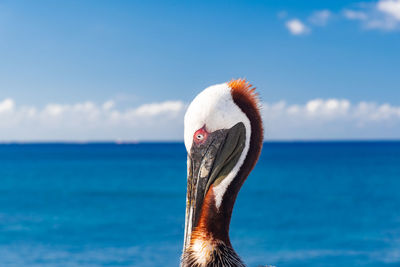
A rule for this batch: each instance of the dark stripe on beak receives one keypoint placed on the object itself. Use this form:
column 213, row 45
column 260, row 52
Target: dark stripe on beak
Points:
column 209, row 163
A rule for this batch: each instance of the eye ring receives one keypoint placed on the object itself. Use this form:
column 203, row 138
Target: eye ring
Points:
column 200, row 136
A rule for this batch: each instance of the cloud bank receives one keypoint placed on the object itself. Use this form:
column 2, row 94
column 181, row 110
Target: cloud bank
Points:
column 331, row 119
column 88, row 121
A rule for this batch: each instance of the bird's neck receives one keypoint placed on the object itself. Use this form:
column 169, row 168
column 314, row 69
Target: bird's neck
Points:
column 214, row 222
column 209, row 240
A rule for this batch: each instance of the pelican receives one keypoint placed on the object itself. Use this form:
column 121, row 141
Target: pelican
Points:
column 223, row 138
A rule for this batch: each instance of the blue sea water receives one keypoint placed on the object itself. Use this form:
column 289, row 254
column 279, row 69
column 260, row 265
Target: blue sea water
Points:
column 305, row 204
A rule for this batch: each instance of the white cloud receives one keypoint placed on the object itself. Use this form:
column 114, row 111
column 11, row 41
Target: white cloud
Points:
column 354, row 15
column 108, row 105
column 376, row 15
column 334, row 109
column 314, row 119
column 320, row 18
column 328, row 107
column 296, row 27
column 382, row 15
column 160, row 108
column 7, row 105
column 390, row 7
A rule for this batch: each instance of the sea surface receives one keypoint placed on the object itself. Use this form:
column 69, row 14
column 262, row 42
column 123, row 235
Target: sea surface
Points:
column 305, row 204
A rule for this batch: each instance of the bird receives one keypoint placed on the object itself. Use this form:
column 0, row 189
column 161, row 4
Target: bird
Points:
column 223, row 136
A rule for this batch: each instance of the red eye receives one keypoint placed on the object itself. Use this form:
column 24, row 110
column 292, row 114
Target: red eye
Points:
column 200, row 136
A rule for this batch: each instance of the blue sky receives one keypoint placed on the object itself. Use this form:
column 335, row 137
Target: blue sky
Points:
column 106, row 70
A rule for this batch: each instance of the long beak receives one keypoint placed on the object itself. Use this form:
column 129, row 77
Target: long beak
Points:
column 209, row 163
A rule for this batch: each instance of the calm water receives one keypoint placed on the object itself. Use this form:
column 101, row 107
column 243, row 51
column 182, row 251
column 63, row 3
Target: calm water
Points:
column 305, row 204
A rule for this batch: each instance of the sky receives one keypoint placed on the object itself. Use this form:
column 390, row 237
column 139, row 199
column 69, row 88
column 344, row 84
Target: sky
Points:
column 127, row 70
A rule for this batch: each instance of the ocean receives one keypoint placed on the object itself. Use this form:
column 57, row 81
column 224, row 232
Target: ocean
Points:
column 305, row 204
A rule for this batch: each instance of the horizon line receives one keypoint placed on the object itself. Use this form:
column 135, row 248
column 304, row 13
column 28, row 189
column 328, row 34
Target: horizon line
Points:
column 133, row 142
